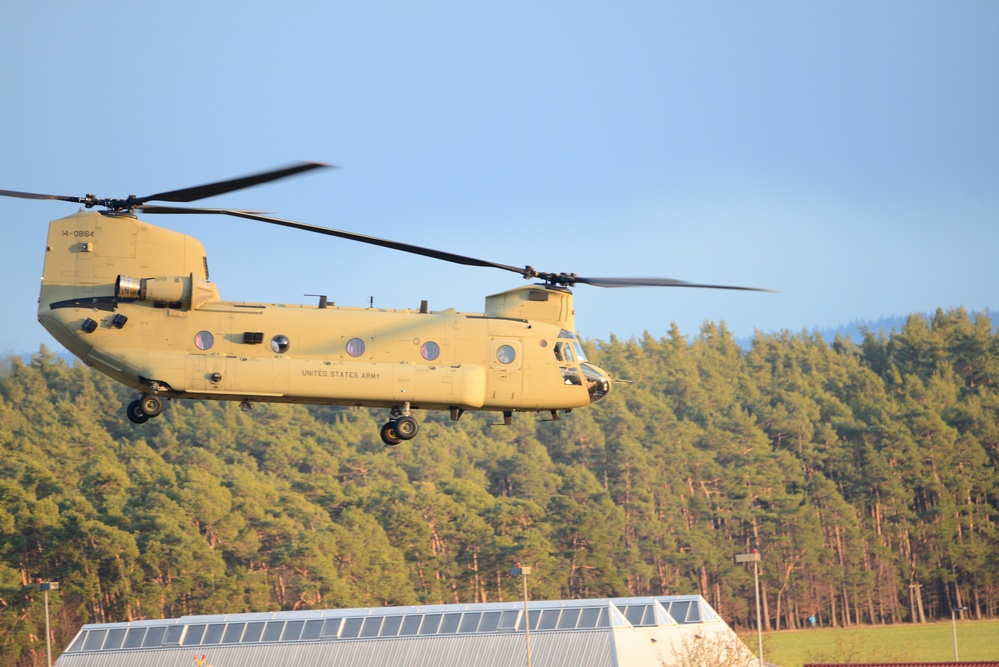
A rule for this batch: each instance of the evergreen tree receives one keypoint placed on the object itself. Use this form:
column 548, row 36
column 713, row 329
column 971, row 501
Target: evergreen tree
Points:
column 865, row 474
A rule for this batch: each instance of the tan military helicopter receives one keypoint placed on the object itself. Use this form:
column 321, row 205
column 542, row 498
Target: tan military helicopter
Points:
column 134, row 301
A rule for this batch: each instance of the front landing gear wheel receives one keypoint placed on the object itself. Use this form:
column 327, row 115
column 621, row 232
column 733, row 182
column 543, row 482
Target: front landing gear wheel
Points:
column 152, row 405
column 135, row 413
column 389, row 435
column 406, row 427
column 144, row 408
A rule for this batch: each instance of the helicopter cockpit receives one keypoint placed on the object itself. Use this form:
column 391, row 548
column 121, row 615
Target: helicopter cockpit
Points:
column 569, row 352
column 568, row 349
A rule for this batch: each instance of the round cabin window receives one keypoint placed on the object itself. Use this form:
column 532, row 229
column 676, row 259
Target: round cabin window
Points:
column 280, row 344
column 505, row 354
column 203, row 340
column 430, row 350
column 355, row 347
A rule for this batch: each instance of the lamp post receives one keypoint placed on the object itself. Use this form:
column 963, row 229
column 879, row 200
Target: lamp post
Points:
column 953, row 624
column 754, row 558
column 523, row 572
column 47, row 586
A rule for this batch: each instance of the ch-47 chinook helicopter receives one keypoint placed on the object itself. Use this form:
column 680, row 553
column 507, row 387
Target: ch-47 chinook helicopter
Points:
column 134, row 301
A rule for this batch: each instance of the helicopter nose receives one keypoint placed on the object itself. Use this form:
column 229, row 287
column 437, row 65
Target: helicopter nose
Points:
column 596, row 382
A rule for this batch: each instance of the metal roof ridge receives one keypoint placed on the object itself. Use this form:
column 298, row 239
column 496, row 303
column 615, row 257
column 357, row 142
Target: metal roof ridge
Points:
column 707, row 613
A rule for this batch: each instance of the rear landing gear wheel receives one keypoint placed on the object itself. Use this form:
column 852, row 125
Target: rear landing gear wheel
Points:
column 389, row 435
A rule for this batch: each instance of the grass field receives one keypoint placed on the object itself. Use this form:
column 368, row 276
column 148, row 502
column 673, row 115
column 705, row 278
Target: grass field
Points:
column 933, row 642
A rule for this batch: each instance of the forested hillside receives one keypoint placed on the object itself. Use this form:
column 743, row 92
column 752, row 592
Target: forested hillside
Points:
column 865, row 474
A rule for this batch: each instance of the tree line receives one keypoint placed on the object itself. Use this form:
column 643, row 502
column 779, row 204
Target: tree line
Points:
column 864, row 473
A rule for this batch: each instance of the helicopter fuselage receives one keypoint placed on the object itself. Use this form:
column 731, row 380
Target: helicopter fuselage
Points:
column 134, row 301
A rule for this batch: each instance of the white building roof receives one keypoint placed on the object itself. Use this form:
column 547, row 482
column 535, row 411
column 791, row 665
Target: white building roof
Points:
column 562, row 632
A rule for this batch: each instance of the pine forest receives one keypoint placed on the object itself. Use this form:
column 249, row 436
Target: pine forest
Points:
column 865, row 473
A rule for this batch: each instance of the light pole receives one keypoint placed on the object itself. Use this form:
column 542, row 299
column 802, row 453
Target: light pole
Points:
column 953, row 624
column 47, row 586
column 754, row 558
column 523, row 572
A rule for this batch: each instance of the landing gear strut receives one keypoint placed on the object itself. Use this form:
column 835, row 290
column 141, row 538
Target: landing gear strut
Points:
column 144, row 408
column 401, row 426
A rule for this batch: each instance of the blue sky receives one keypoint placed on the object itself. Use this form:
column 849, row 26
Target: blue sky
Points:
column 843, row 153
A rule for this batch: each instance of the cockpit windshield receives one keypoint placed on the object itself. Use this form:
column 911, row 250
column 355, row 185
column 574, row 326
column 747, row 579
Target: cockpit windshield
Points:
column 568, row 348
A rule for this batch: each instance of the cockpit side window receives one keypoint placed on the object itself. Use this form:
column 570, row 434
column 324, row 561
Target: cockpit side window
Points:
column 563, row 352
column 569, row 351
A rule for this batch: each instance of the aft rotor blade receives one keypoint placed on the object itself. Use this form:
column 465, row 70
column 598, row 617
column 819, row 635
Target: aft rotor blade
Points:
column 32, row 195
column 212, row 189
column 385, row 243
column 656, row 282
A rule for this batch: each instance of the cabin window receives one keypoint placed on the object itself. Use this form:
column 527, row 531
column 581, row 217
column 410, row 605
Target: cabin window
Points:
column 430, row 350
column 355, row 347
column 570, row 375
column 280, row 344
column 505, row 354
column 203, row 340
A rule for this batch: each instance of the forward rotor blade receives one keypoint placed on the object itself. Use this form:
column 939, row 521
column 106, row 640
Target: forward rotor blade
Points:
column 385, row 243
column 191, row 210
column 212, row 189
column 656, row 282
column 32, row 195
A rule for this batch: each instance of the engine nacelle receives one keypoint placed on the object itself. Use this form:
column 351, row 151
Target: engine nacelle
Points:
column 187, row 292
